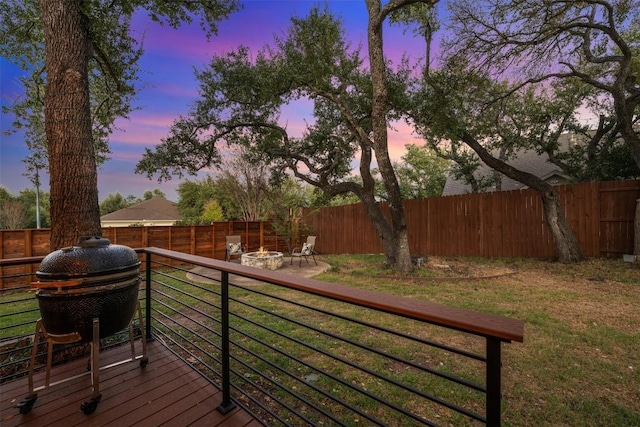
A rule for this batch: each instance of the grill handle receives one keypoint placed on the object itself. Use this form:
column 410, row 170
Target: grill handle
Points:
column 59, row 285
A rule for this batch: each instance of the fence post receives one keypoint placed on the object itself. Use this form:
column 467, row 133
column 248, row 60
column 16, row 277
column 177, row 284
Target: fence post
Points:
column 493, row 372
column 226, row 405
column 636, row 230
column 147, row 295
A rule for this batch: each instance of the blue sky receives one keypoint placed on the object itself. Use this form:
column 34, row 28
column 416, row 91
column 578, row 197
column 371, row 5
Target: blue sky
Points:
column 170, row 88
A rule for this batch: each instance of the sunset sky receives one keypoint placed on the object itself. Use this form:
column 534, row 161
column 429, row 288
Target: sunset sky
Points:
column 167, row 71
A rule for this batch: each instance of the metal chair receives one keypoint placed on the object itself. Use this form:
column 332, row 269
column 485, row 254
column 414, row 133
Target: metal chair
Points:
column 306, row 251
column 234, row 247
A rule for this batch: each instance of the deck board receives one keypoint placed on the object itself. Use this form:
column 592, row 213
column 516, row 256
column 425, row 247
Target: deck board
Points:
column 166, row 392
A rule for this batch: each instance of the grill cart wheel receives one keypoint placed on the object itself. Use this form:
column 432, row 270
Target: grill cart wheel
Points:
column 27, row 403
column 90, row 406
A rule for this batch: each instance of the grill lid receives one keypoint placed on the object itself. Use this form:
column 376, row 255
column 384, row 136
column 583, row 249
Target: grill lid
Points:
column 93, row 256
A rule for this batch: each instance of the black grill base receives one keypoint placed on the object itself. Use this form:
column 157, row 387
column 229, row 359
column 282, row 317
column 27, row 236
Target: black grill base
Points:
column 68, row 312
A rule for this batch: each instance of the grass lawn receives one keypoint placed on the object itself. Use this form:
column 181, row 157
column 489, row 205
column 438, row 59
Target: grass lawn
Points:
column 579, row 364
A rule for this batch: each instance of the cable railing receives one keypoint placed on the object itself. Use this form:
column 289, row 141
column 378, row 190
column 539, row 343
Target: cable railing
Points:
column 294, row 351
column 18, row 315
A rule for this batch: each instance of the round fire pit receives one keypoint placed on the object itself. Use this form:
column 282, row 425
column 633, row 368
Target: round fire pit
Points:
column 268, row 260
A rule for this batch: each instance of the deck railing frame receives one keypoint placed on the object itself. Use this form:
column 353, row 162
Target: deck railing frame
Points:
column 496, row 330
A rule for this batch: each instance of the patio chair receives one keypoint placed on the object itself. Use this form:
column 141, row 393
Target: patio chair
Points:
column 306, row 251
column 234, row 247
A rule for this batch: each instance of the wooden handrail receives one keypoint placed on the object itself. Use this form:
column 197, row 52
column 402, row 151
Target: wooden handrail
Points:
column 21, row 261
column 483, row 324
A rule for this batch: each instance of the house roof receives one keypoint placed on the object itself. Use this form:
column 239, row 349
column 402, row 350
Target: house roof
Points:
column 154, row 209
column 525, row 160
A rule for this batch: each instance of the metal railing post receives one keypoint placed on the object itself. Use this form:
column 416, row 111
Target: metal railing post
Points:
column 148, row 297
column 493, row 372
column 227, row 404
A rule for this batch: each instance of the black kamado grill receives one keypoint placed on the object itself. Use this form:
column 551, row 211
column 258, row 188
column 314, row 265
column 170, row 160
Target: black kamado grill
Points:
column 92, row 280
column 85, row 293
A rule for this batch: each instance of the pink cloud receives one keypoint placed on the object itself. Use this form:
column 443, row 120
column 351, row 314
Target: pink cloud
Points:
column 139, row 133
column 179, row 90
column 128, row 156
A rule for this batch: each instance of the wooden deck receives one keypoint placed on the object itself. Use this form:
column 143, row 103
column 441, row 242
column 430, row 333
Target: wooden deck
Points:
column 167, row 392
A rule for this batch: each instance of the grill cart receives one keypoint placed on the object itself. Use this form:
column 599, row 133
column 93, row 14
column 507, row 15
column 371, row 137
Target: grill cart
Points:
column 86, row 293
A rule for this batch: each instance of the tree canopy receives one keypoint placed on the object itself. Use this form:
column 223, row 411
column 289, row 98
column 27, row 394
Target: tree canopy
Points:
column 20, row 211
column 241, row 101
column 421, row 173
column 595, row 42
column 516, row 75
column 82, row 64
column 112, row 66
column 240, row 200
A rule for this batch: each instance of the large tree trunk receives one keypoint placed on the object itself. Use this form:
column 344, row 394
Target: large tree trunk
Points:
column 399, row 242
column 72, row 167
column 631, row 138
column 383, row 228
column 400, row 238
column 567, row 244
column 625, row 108
column 389, row 237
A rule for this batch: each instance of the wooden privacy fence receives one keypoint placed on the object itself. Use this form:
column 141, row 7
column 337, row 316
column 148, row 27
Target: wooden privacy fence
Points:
column 497, row 224
column 204, row 240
